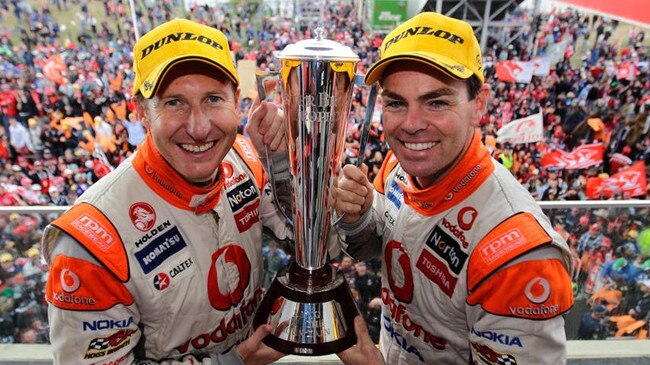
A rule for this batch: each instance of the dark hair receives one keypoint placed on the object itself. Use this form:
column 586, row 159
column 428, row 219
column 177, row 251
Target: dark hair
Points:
column 473, row 86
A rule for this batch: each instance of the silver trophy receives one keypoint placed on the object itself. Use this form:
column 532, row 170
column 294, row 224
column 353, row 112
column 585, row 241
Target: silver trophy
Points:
column 308, row 304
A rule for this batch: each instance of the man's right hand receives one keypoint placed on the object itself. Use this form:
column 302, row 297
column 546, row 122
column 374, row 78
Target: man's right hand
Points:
column 352, row 193
column 364, row 352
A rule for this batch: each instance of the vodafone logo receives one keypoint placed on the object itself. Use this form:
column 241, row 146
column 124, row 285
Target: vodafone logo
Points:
column 226, row 169
column 399, row 272
column 70, row 282
column 142, row 216
column 538, row 290
column 228, row 277
column 466, row 217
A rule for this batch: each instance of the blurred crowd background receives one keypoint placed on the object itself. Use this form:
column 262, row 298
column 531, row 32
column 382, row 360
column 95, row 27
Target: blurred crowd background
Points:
column 67, row 120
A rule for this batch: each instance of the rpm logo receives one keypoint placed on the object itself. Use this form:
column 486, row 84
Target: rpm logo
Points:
column 466, row 218
column 228, row 277
column 142, row 216
column 399, row 272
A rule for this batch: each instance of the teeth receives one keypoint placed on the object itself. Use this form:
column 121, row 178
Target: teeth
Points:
column 194, row 148
column 419, row 146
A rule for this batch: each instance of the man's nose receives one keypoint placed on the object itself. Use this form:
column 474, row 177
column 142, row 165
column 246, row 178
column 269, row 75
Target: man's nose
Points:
column 198, row 125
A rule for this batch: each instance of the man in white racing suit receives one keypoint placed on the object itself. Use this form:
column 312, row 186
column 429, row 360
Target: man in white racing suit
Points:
column 160, row 261
column 472, row 272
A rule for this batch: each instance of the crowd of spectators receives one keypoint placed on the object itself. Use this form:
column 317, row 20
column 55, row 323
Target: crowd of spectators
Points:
column 67, row 120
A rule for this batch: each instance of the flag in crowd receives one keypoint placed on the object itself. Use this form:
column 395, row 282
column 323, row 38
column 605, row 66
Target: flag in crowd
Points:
column 628, row 182
column 580, row 158
column 523, row 130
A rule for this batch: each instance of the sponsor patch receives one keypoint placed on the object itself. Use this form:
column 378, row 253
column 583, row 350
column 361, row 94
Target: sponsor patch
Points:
column 437, row 272
column 395, row 194
column 448, row 249
column 94, row 230
column 490, row 357
column 153, row 233
column 497, row 337
column 537, row 289
column 503, row 244
column 102, row 346
column 161, row 281
column 142, row 216
column 248, row 216
column 107, row 324
column 160, row 249
column 80, row 285
column 243, row 194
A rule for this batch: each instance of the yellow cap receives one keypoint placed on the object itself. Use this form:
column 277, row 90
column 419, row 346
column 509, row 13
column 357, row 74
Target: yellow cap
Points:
column 32, row 252
column 176, row 41
column 445, row 43
column 6, row 257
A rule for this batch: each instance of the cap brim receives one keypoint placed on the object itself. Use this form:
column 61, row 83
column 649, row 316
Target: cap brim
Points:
column 444, row 64
column 150, row 84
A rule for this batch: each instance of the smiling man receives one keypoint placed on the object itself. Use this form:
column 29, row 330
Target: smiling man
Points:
column 160, row 261
column 472, row 270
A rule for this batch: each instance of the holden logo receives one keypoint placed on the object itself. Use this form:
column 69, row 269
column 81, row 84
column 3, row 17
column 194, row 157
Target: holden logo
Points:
column 538, row 290
column 142, row 216
column 69, row 281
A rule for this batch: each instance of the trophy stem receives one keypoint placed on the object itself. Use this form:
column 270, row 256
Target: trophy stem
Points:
column 312, row 312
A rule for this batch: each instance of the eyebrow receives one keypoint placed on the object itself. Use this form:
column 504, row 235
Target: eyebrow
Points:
column 445, row 91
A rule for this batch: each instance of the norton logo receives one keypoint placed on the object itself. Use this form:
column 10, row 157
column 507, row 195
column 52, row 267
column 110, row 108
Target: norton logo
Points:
column 400, row 275
column 228, row 277
column 142, row 216
column 177, row 37
column 161, row 281
column 466, row 217
column 538, row 290
column 70, row 282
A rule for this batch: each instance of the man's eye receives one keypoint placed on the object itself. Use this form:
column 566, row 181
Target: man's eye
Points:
column 392, row 104
column 214, row 99
column 438, row 104
column 172, row 102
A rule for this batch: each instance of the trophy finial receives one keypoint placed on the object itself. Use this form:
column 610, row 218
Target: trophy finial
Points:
column 319, row 33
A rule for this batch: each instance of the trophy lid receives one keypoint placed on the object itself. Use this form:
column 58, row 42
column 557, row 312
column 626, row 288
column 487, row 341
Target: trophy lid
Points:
column 317, row 49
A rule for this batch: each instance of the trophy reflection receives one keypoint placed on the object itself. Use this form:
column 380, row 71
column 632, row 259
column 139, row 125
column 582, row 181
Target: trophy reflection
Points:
column 308, row 304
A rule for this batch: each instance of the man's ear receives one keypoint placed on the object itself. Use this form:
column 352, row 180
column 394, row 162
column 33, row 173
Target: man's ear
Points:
column 481, row 101
column 140, row 112
column 237, row 109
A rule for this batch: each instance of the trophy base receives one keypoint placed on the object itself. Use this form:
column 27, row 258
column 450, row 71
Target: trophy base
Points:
column 312, row 312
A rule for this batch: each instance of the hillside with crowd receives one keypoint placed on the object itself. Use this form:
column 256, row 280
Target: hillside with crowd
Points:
column 67, row 120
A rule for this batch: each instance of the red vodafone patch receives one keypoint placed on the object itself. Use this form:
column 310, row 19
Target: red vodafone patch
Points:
column 83, row 286
column 538, row 289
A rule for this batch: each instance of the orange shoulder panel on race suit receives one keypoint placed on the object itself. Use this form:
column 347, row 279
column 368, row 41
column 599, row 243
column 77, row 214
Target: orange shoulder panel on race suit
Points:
column 510, row 239
column 96, row 233
column 244, row 149
column 389, row 164
column 537, row 289
column 80, row 285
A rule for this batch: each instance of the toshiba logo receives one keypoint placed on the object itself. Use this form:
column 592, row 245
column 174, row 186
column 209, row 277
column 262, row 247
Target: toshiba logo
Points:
column 94, row 230
column 503, row 244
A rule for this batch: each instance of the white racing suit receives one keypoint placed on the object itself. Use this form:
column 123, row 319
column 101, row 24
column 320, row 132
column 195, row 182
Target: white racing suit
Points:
column 472, row 271
column 148, row 268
